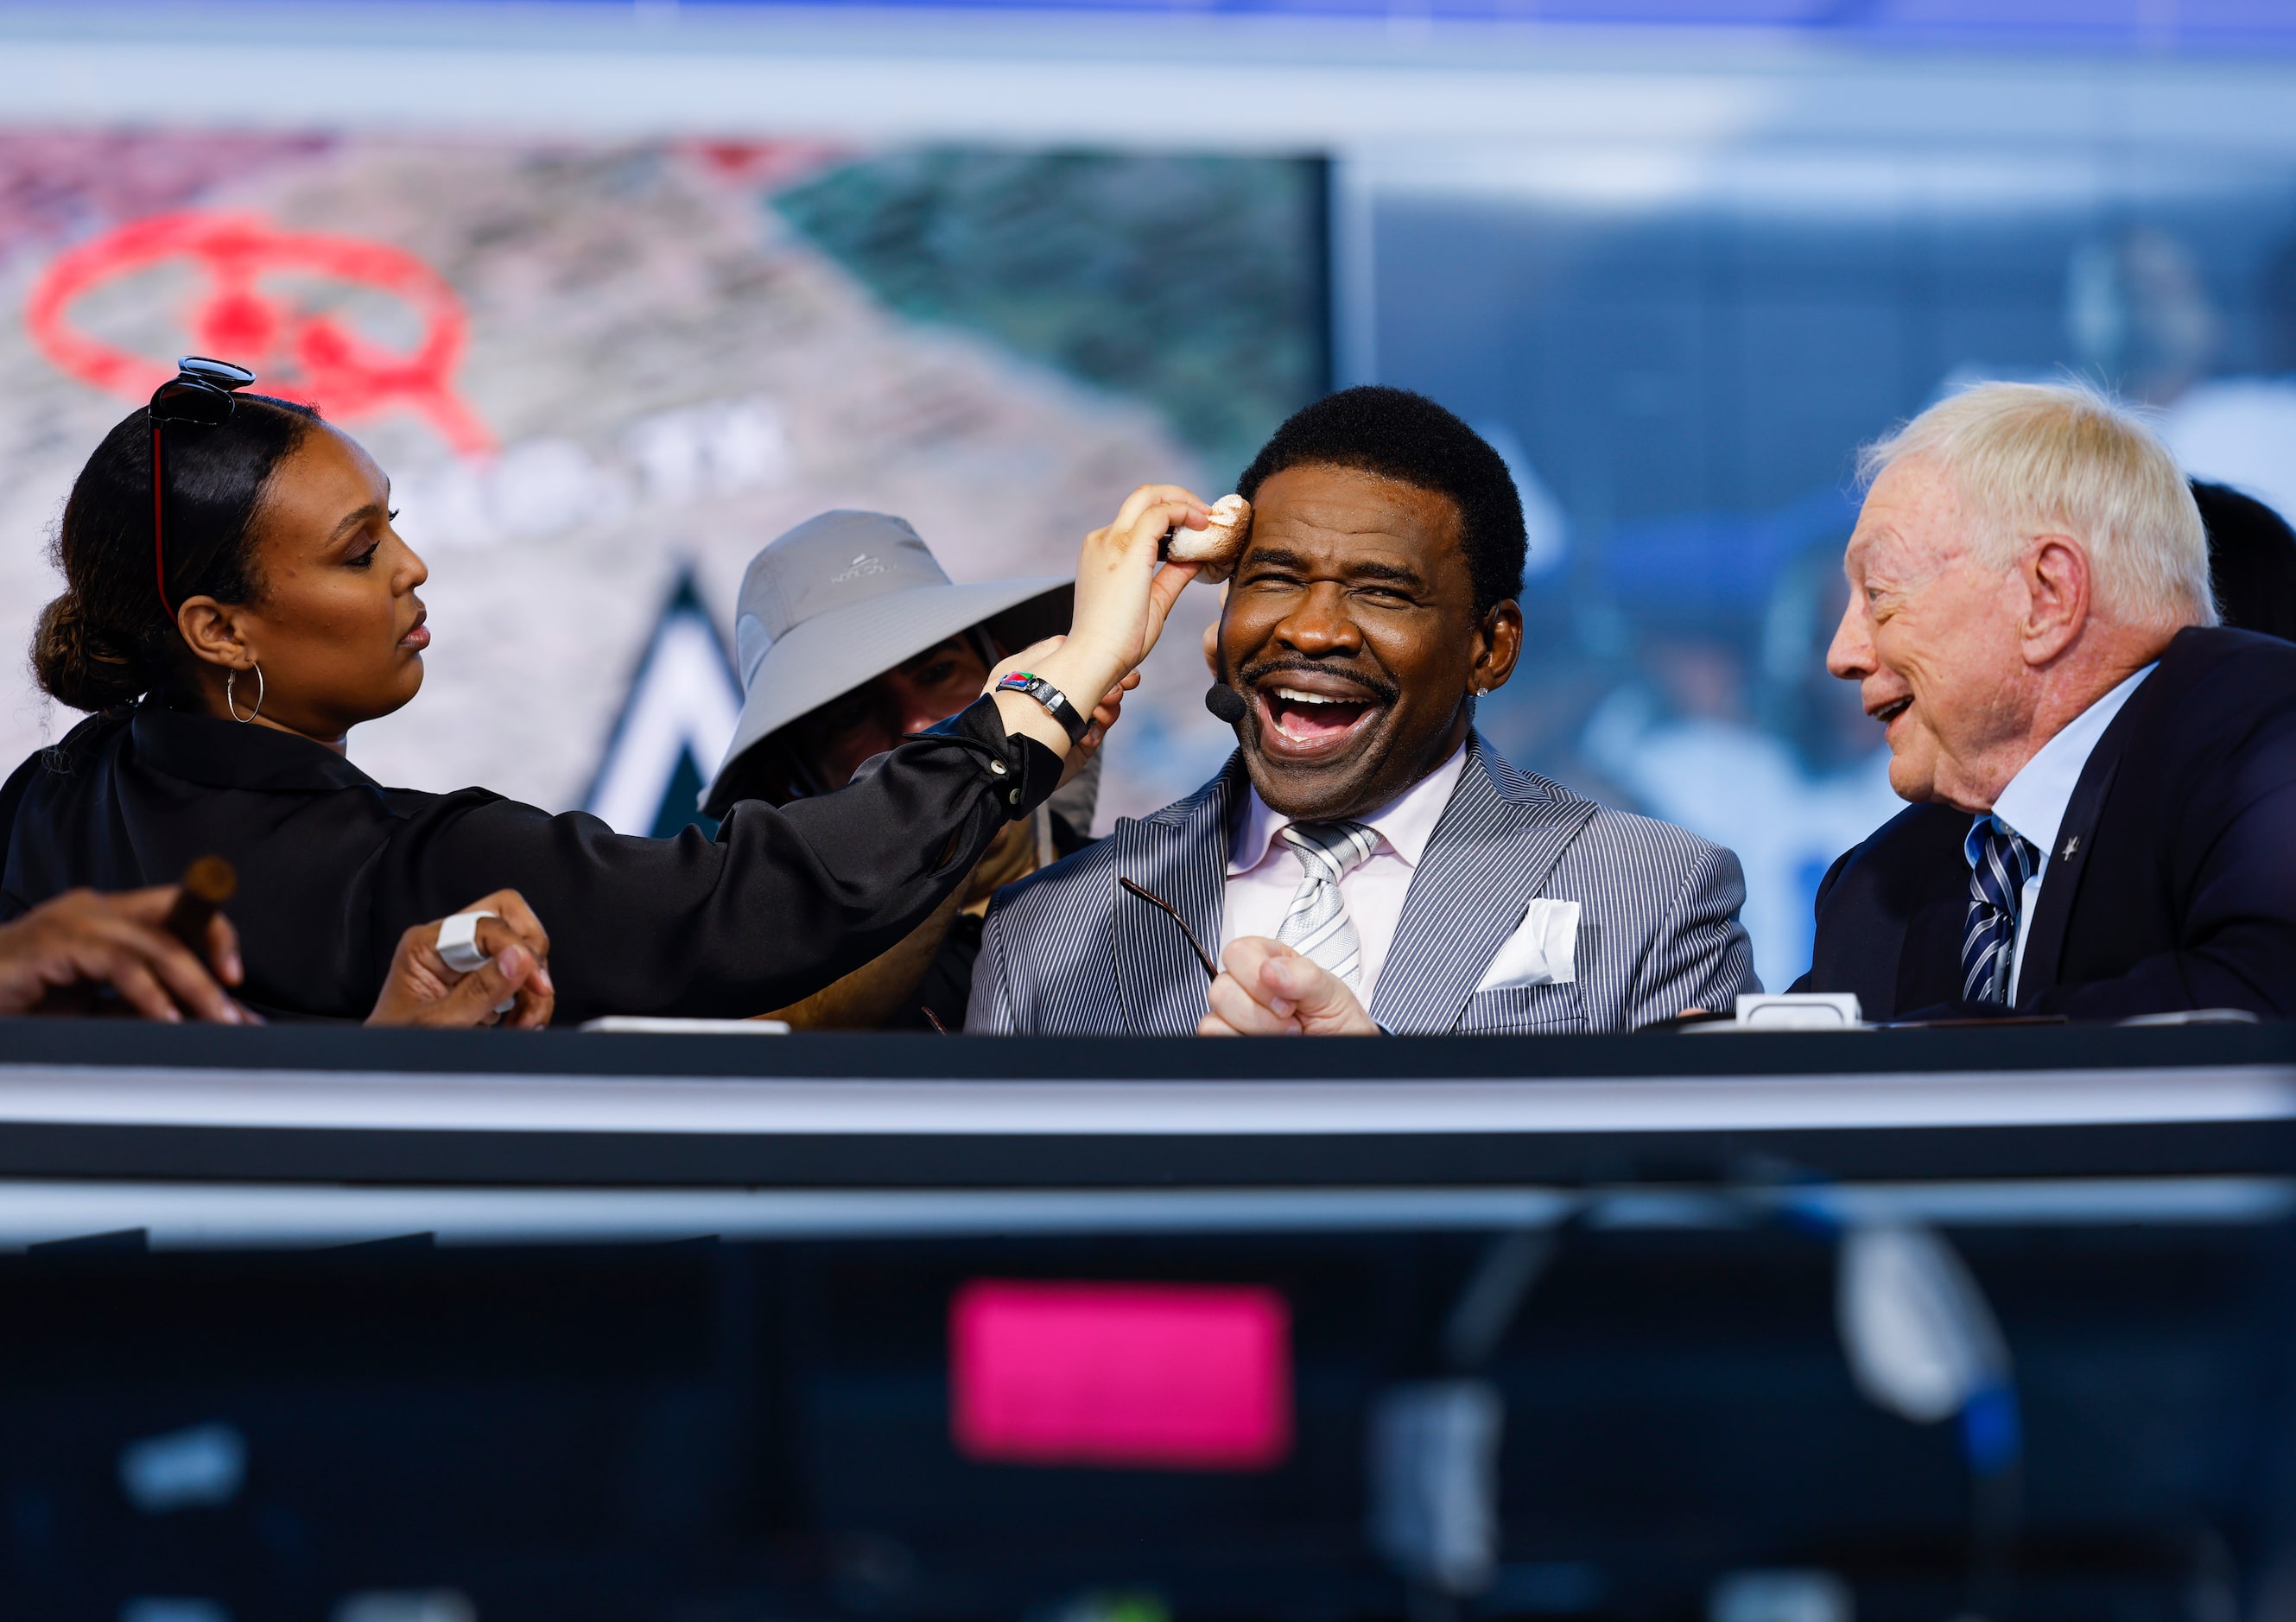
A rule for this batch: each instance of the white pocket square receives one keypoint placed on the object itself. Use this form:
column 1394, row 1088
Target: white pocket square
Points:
column 1542, row 951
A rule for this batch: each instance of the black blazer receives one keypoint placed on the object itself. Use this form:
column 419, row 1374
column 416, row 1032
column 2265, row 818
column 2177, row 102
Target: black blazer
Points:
column 332, row 866
column 2173, row 885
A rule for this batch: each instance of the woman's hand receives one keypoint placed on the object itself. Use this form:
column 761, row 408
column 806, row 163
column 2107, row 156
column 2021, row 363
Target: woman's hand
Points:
column 1123, row 593
column 421, row 989
column 52, row 958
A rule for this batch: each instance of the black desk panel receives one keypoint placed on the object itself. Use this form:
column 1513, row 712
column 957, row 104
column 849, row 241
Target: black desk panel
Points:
column 574, row 1327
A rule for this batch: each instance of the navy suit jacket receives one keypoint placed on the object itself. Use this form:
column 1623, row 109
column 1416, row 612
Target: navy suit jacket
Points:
column 2173, row 885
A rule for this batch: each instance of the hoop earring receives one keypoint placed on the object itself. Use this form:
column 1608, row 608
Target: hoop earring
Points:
column 229, row 677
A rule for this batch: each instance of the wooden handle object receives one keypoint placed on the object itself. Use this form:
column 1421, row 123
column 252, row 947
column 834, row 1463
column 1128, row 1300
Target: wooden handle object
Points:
column 208, row 883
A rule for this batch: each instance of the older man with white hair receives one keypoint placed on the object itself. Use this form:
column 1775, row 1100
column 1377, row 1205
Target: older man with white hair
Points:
column 2104, row 781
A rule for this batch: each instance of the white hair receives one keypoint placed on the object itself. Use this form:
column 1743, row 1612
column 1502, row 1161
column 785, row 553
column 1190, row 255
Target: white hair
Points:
column 2032, row 458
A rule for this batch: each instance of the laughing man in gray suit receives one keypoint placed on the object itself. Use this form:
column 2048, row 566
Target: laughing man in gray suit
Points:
column 1367, row 860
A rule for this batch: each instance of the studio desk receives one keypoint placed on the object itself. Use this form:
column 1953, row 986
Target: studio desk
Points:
column 307, row 1136
column 574, row 1325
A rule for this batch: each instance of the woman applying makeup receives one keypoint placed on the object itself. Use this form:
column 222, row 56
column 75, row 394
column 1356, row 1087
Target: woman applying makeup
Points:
column 234, row 612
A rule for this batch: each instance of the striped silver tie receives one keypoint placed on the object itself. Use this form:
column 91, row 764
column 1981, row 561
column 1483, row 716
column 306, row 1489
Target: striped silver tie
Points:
column 1317, row 926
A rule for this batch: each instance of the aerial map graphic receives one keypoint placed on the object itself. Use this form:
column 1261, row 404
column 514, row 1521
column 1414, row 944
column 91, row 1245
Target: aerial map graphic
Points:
column 602, row 376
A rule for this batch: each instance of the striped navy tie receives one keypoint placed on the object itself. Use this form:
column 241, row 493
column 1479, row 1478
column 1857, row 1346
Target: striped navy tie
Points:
column 1317, row 926
column 2000, row 862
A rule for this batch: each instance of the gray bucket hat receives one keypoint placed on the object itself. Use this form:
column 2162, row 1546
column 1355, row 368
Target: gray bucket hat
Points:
column 837, row 602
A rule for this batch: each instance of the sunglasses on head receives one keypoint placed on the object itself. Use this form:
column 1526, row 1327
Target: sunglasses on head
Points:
column 200, row 393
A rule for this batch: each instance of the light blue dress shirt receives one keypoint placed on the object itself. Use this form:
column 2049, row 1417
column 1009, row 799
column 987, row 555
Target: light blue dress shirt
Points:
column 2033, row 806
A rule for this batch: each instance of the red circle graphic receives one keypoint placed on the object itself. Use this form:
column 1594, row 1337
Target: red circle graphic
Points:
column 236, row 318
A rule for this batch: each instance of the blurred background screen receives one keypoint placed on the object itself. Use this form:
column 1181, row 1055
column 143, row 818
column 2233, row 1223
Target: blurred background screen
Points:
column 616, row 294
column 1680, row 353
column 603, row 374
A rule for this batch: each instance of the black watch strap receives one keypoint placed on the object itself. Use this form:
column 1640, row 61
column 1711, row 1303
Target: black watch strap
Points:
column 1072, row 721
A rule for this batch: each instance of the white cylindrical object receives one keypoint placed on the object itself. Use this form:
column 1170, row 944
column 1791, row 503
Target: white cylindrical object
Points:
column 458, row 943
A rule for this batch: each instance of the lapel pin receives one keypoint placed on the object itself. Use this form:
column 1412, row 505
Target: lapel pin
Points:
column 2072, row 844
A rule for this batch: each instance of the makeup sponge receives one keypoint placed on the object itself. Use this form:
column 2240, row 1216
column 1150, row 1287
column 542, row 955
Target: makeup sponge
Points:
column 1218, row 545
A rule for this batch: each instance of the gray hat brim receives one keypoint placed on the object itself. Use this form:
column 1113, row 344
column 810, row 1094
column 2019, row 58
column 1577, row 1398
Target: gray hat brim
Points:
column 834, row 652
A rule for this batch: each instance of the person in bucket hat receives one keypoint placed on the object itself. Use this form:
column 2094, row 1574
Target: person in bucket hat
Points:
column 850, row 636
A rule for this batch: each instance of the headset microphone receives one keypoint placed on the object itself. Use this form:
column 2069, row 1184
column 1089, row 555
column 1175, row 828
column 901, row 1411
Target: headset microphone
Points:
column 1226, row 702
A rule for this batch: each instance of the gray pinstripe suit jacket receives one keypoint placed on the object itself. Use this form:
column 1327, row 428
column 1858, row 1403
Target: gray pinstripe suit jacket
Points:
column 1068, row 951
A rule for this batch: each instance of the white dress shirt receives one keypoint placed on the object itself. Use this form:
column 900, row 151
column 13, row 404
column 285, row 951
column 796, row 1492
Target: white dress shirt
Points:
column 1263, row 875
column 2033, row 805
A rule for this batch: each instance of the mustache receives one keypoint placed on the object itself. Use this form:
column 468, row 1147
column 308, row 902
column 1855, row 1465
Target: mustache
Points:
column 1379, row 686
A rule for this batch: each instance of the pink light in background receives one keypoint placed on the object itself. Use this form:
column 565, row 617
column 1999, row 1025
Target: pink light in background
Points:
column 1168, row 1376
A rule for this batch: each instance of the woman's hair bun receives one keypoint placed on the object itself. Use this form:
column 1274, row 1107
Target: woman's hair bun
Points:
column 111, row 638
column 76, row 664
